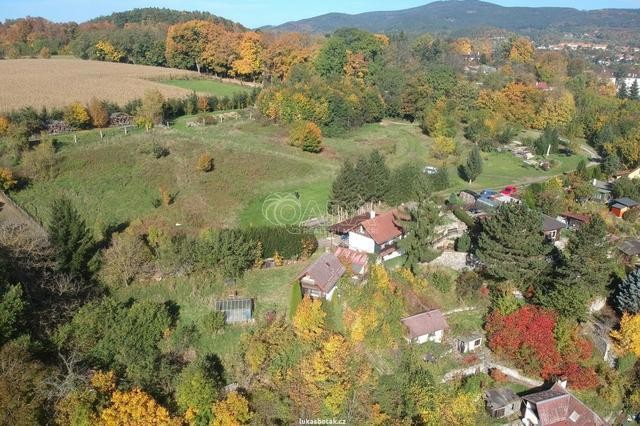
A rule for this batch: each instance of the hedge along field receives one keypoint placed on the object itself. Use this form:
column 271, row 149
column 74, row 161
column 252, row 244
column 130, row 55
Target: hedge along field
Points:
column 209, row 87
column 57, row 82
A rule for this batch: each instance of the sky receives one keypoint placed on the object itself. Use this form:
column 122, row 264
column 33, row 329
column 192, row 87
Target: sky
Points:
column 252, row 13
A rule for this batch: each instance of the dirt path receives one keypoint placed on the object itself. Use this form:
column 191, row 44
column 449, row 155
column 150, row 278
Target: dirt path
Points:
column 12, row 214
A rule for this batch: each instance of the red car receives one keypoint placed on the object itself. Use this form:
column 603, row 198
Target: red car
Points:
column 509, row 190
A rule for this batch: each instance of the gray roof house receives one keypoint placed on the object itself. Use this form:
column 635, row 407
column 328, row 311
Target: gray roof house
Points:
column 319, row 279
column 502, row 402
column 551, row 227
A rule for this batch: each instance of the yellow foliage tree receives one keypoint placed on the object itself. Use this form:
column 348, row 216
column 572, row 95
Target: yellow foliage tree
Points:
column 76, row 115
column 205, row 163
column 250, row 51
column 231, row 411
column 105, row 51
column 308, row 321
column 135, row 408
column 7, row 179
column 521, row 50
column 356, row 65
column 4, row 125
column 443, row 147
column 628, row 336
column 306, row 135
column 151, row 111
column 103, row 381
column 462, row 46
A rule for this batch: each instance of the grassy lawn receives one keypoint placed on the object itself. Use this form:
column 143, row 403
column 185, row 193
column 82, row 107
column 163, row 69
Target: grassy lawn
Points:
column 209, row 87
column 256, row 177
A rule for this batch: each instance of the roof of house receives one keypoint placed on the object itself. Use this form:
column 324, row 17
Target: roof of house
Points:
column 556, row 406
column 383, row 227
column 579, row 217
column 347, row 225
column 551, row 224
column 425, row 323
column 626, row 202
column 325, row 272
column 500, row 397
column 602, row 186
column 630, row 247
column 352, row 256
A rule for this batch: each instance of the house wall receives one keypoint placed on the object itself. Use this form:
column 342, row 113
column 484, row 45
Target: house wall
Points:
column 436, row 337
column 329, row 295
column 618, row 212
column 359, row 242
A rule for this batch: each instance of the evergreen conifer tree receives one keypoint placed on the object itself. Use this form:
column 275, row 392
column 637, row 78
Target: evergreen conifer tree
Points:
column 622, row 90
column 627, row 297
column 345, row 189
column 419, row 233
column 473, row 168
column 379, row 176
column 634, row 92
column 70, row 238
column 512, row 246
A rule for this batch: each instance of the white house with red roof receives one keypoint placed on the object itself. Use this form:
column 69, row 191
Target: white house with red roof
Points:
column 377, row 235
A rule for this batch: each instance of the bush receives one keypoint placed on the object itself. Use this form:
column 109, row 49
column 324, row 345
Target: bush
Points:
column 212, row 322
column 205, row 163
column 290, row 242
column 463, row 216
column 158, row 151
column 7, row 179
column 99, row 113
column 468, row 284
column 306, row 135
column 441, row 280
column 76, row 115
column 463, row 243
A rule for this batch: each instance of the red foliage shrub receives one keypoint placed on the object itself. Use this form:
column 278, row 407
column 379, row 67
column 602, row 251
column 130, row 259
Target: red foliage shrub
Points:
column 470, row 359
column 526, row 337
column 498, row 375
column 580, row 377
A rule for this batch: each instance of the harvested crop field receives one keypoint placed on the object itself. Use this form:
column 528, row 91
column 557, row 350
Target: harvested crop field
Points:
column 57, row 82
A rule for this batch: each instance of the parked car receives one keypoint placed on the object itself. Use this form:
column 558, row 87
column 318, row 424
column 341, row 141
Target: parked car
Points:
column 430, row 170
column 509, row 190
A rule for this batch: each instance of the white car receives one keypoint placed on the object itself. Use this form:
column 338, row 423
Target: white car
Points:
column 430, row 170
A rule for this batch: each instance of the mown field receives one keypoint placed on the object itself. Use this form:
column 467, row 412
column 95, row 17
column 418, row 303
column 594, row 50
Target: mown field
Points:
column 209, row 87
column 256, row 174
column 56, row 82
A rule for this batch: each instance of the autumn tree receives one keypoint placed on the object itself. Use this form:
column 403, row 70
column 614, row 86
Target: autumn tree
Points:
column 205, row 163
column 40, row 162
column 151, row 112
column 77, row 116
column 520, row 50
column 309, row 319
column 250, row 49
column 512, row 246
column 135, row 408
column 551, row 66
column 234, row 410
column 284, row 51
column 627, row 337
column 7, row 179
column 307, row 136
column 105, row 51
column 98, row 112
column 185, row 44
column 127, row 258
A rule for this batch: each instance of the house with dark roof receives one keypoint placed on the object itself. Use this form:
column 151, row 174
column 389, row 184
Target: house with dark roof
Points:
column 602, row 190
column 425, row 327
column 557, row 406
column 343, row 228
column 574, row 220
column 630, row 248
column 620, row 206
column 319, row 279
column 551, row 227
column 378, row 235
column 356, row 260
column 502, row 402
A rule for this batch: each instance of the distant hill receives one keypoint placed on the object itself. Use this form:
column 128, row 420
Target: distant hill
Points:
column 470, row 15
column 154, row 15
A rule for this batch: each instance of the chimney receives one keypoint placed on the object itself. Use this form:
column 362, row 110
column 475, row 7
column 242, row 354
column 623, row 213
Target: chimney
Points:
column 562, row 381
column 372, row 214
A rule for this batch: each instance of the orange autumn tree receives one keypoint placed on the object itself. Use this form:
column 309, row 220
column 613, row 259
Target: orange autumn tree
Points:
column 250, row 52
column 283, row 51
column 628, row 336
column 520, row 50
column 135, row 408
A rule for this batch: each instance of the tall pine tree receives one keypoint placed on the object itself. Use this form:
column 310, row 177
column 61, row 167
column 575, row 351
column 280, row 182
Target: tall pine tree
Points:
column 627, row 297
column 71, row 240
column 379, row 176
column 345, row 190
column 586, row 262
column 622, row 90
column 473, row 168
column 634, row 92
column 512, row 246
column 419, row 234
